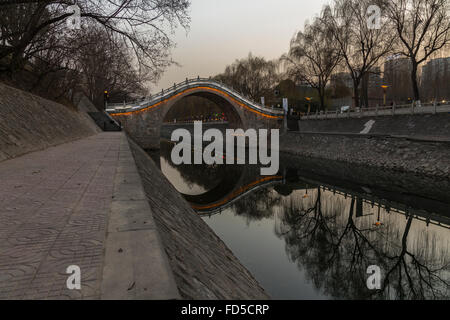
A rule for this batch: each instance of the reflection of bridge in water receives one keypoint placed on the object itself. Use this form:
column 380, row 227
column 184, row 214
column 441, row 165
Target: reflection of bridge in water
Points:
column 232, row 182
column 241, row 181
column 235, row 195
column 427, row 210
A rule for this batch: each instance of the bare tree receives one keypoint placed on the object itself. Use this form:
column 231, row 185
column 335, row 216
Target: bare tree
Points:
column 49, row 69
column 144, row 25
column 108, row 66
column 362, row 46
column 423, row 28
column 313, row 55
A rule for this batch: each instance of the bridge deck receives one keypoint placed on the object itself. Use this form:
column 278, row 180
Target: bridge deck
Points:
column 79, row 203
column 190, row 85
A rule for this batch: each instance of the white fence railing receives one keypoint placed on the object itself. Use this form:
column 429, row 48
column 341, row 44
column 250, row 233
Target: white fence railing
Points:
column 413, row 108
column 187, row 84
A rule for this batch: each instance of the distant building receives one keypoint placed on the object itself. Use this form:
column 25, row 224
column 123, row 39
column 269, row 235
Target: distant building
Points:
column 436, row 79
column 341, row 78
column 372, row 81
column 397, row 75
column 295, row 92
column 341, row 85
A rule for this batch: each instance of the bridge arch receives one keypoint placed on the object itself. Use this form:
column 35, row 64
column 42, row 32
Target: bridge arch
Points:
column 236, row 117
column 143, row 120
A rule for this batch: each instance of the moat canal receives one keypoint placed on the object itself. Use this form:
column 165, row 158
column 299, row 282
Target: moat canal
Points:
column 312, row 230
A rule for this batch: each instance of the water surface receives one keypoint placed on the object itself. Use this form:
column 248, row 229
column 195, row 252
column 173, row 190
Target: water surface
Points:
column 312, row 230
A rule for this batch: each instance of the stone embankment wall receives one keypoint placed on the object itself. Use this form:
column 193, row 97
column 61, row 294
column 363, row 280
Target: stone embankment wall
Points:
column 30, row 123
column 203, row 266
column 419, row 125
column 401, row 154
column 419, row 191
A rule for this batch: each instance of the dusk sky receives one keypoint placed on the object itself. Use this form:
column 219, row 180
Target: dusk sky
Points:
column 224, row 30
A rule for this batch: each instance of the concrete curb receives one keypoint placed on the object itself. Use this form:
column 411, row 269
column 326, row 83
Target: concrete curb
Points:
column 136, row 266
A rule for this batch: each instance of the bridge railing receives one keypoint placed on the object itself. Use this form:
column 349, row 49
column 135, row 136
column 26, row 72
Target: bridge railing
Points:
column 413, row 108
column 179, row 87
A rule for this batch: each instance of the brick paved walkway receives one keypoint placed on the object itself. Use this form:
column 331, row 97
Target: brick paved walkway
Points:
column 54, row 207
column 53, row 213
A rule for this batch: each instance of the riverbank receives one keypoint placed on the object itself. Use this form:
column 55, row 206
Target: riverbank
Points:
column 403, row 154
column 71, row 195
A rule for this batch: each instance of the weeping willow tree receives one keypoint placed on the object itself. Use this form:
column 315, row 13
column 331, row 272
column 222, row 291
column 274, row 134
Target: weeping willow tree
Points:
column 253, row 76
column 361, row 44
column 313, row 55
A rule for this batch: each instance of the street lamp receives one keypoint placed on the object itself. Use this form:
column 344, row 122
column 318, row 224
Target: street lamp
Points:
column 309, row 103
column 384, row 93
column 105, row 98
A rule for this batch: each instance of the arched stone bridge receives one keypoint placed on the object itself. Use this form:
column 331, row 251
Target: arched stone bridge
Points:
column 142, row 121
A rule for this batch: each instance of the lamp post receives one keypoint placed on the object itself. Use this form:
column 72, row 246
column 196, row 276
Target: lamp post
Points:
column 309, row 103
column 105, row 98
column 384, row 93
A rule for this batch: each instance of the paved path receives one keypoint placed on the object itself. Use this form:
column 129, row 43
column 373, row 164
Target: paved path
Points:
column 54, row 211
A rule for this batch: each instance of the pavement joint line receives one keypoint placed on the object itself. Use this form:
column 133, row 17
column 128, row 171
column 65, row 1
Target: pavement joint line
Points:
column 141, row 258
column 108, row 218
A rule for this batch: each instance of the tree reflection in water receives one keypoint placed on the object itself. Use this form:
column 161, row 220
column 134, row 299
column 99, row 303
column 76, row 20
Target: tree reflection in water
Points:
column 257, row 206
column 324, row 237
column 333, row 238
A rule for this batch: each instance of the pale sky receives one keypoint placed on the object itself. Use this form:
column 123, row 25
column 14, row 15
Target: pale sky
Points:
column 224, row 30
